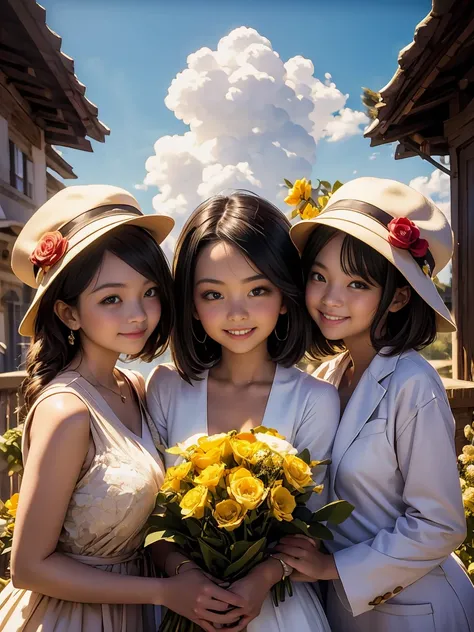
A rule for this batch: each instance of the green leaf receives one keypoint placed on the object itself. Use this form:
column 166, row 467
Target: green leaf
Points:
column 318, row 530
column 288, row 183
column 303, row 513
column 294, row 213
column 216, row 562
column 302, row 499
column 245, row 560
column 238, row 549
column 326, row 185
column 194, row 527
column 167, row 536
column 335, row 512
column 337, row 185
column 301, row 526
column 305, row 456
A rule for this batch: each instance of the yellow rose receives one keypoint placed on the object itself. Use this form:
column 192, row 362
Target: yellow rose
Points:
column 245, row 436
column 12, row 505
column 212, row 442
column 269, row 431
column 467, row 455
column 179, row 471
column 247, row 490
column 201, row 459
column 242, row 449
column 297, row 472
column 237, row 472
column 229, row 514
column 171, row 485
column 10, row 528
column 211, row 475
column 194, row 502
column 282, row 503
column 468, row 499
column 318, row 489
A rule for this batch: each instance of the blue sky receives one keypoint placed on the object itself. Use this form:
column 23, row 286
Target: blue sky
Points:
column 127, row 53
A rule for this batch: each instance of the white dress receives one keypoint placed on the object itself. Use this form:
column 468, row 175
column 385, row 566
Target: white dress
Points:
column 305, row 411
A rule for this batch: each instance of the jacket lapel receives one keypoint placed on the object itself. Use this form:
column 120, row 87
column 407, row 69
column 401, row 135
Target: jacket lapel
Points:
column 363, row 402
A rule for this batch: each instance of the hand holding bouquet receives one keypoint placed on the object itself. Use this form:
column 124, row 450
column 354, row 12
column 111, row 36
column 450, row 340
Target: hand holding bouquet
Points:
column 232, row 496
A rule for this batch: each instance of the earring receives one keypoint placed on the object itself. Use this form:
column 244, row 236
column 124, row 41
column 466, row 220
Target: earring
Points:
column 287, row 331
column 196, row 338
column 71, row 338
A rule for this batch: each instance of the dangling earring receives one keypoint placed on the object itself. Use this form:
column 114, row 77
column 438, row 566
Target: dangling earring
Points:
column 287, row 331
column 196, row 338
column 71, row 338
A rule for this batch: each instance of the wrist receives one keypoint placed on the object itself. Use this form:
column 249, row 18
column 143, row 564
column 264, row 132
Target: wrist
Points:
column 269, row 571
column 158, row 594
column 330, row 569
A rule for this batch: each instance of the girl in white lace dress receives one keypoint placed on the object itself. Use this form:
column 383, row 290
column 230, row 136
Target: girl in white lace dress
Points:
column 92, row 470
column 241, row 327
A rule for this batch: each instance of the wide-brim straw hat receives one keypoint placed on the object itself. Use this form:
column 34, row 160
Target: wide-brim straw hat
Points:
column 364, row 207
column 73, row 220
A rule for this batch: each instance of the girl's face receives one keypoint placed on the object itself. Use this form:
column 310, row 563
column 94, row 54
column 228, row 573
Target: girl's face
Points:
column 238, row 307
column 119, row 309
column 342, row 306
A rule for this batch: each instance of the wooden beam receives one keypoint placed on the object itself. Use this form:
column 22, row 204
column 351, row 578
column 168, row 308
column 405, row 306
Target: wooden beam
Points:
column 54, row 138
column 38, row 91
column 15, row 58
column 413, row 146
column 423, row 107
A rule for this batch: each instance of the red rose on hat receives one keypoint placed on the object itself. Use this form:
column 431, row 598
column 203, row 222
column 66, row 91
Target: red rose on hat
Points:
column 403, row 233
column 50, row 249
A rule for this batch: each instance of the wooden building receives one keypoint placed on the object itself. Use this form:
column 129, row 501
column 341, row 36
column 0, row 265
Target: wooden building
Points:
column 428, row 107
column 42, row 106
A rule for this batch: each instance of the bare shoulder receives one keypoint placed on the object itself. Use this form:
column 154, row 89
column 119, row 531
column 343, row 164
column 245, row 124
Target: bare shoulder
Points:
column 61, row 414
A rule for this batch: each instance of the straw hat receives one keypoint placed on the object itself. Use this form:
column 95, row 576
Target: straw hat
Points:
column 65, row 225
column 399, row 223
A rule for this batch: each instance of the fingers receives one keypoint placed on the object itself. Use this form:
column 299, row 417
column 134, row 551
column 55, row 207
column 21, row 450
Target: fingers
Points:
column 300, row 540
column 227, row 596
column 207, row 613
column 293, row 551
column 294, row 562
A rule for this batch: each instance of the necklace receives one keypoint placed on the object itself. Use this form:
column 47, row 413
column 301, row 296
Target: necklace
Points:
column 119, row 394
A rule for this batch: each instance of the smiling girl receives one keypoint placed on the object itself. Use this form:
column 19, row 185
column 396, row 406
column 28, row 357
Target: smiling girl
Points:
column 369, row 260
column 241, row 326
column 91, row 467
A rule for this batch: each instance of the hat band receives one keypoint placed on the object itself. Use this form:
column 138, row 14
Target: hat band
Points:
column 376, row 213
column 75, row 225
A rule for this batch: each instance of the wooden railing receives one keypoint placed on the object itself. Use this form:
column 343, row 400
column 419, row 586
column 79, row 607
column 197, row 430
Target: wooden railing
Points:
column 10, row 404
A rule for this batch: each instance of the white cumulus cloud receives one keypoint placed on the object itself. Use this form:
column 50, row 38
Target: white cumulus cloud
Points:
column 437, row 187
column 252, row 120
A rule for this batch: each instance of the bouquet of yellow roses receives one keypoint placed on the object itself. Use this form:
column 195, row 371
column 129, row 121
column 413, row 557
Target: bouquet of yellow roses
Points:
column 232, row 496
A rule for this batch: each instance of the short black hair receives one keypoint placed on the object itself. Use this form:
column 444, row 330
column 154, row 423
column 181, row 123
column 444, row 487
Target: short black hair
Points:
column 412, row 327
column 261, row 232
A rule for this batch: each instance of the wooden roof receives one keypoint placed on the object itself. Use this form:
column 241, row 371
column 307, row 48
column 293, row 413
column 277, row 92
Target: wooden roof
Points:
column 32, row 61
column 435, row 69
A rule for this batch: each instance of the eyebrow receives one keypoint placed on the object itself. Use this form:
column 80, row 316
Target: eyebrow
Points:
column 106, row 286
column 320, row 265
column 256, row 277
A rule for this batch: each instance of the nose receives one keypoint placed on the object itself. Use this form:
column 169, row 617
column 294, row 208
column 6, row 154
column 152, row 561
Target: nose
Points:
column 332, row 297
column 238, row 311
column 137, row 313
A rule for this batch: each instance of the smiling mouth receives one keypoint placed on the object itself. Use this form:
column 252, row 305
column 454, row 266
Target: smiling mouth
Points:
column 240, row 333
column 135, row 334
column 333, row 319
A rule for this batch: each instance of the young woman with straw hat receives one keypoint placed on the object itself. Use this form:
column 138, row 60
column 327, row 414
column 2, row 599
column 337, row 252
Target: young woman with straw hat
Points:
column 92, row 469
column 369, row 260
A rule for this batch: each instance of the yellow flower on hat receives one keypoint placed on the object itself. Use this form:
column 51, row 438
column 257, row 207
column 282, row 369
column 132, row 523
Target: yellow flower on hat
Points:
column 229, row 514
column 301, row 190
column 194, row 502
column 282, row 502
column 309, row 211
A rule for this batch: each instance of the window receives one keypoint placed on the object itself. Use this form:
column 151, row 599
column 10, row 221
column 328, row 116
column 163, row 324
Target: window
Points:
column 14, row 353
column 21, row 171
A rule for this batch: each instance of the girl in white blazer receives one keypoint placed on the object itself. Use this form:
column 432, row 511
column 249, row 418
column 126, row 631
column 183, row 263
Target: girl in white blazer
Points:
column 368, row 259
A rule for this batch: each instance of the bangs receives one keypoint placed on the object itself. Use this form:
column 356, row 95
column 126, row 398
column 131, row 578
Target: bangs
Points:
column 359, row 259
